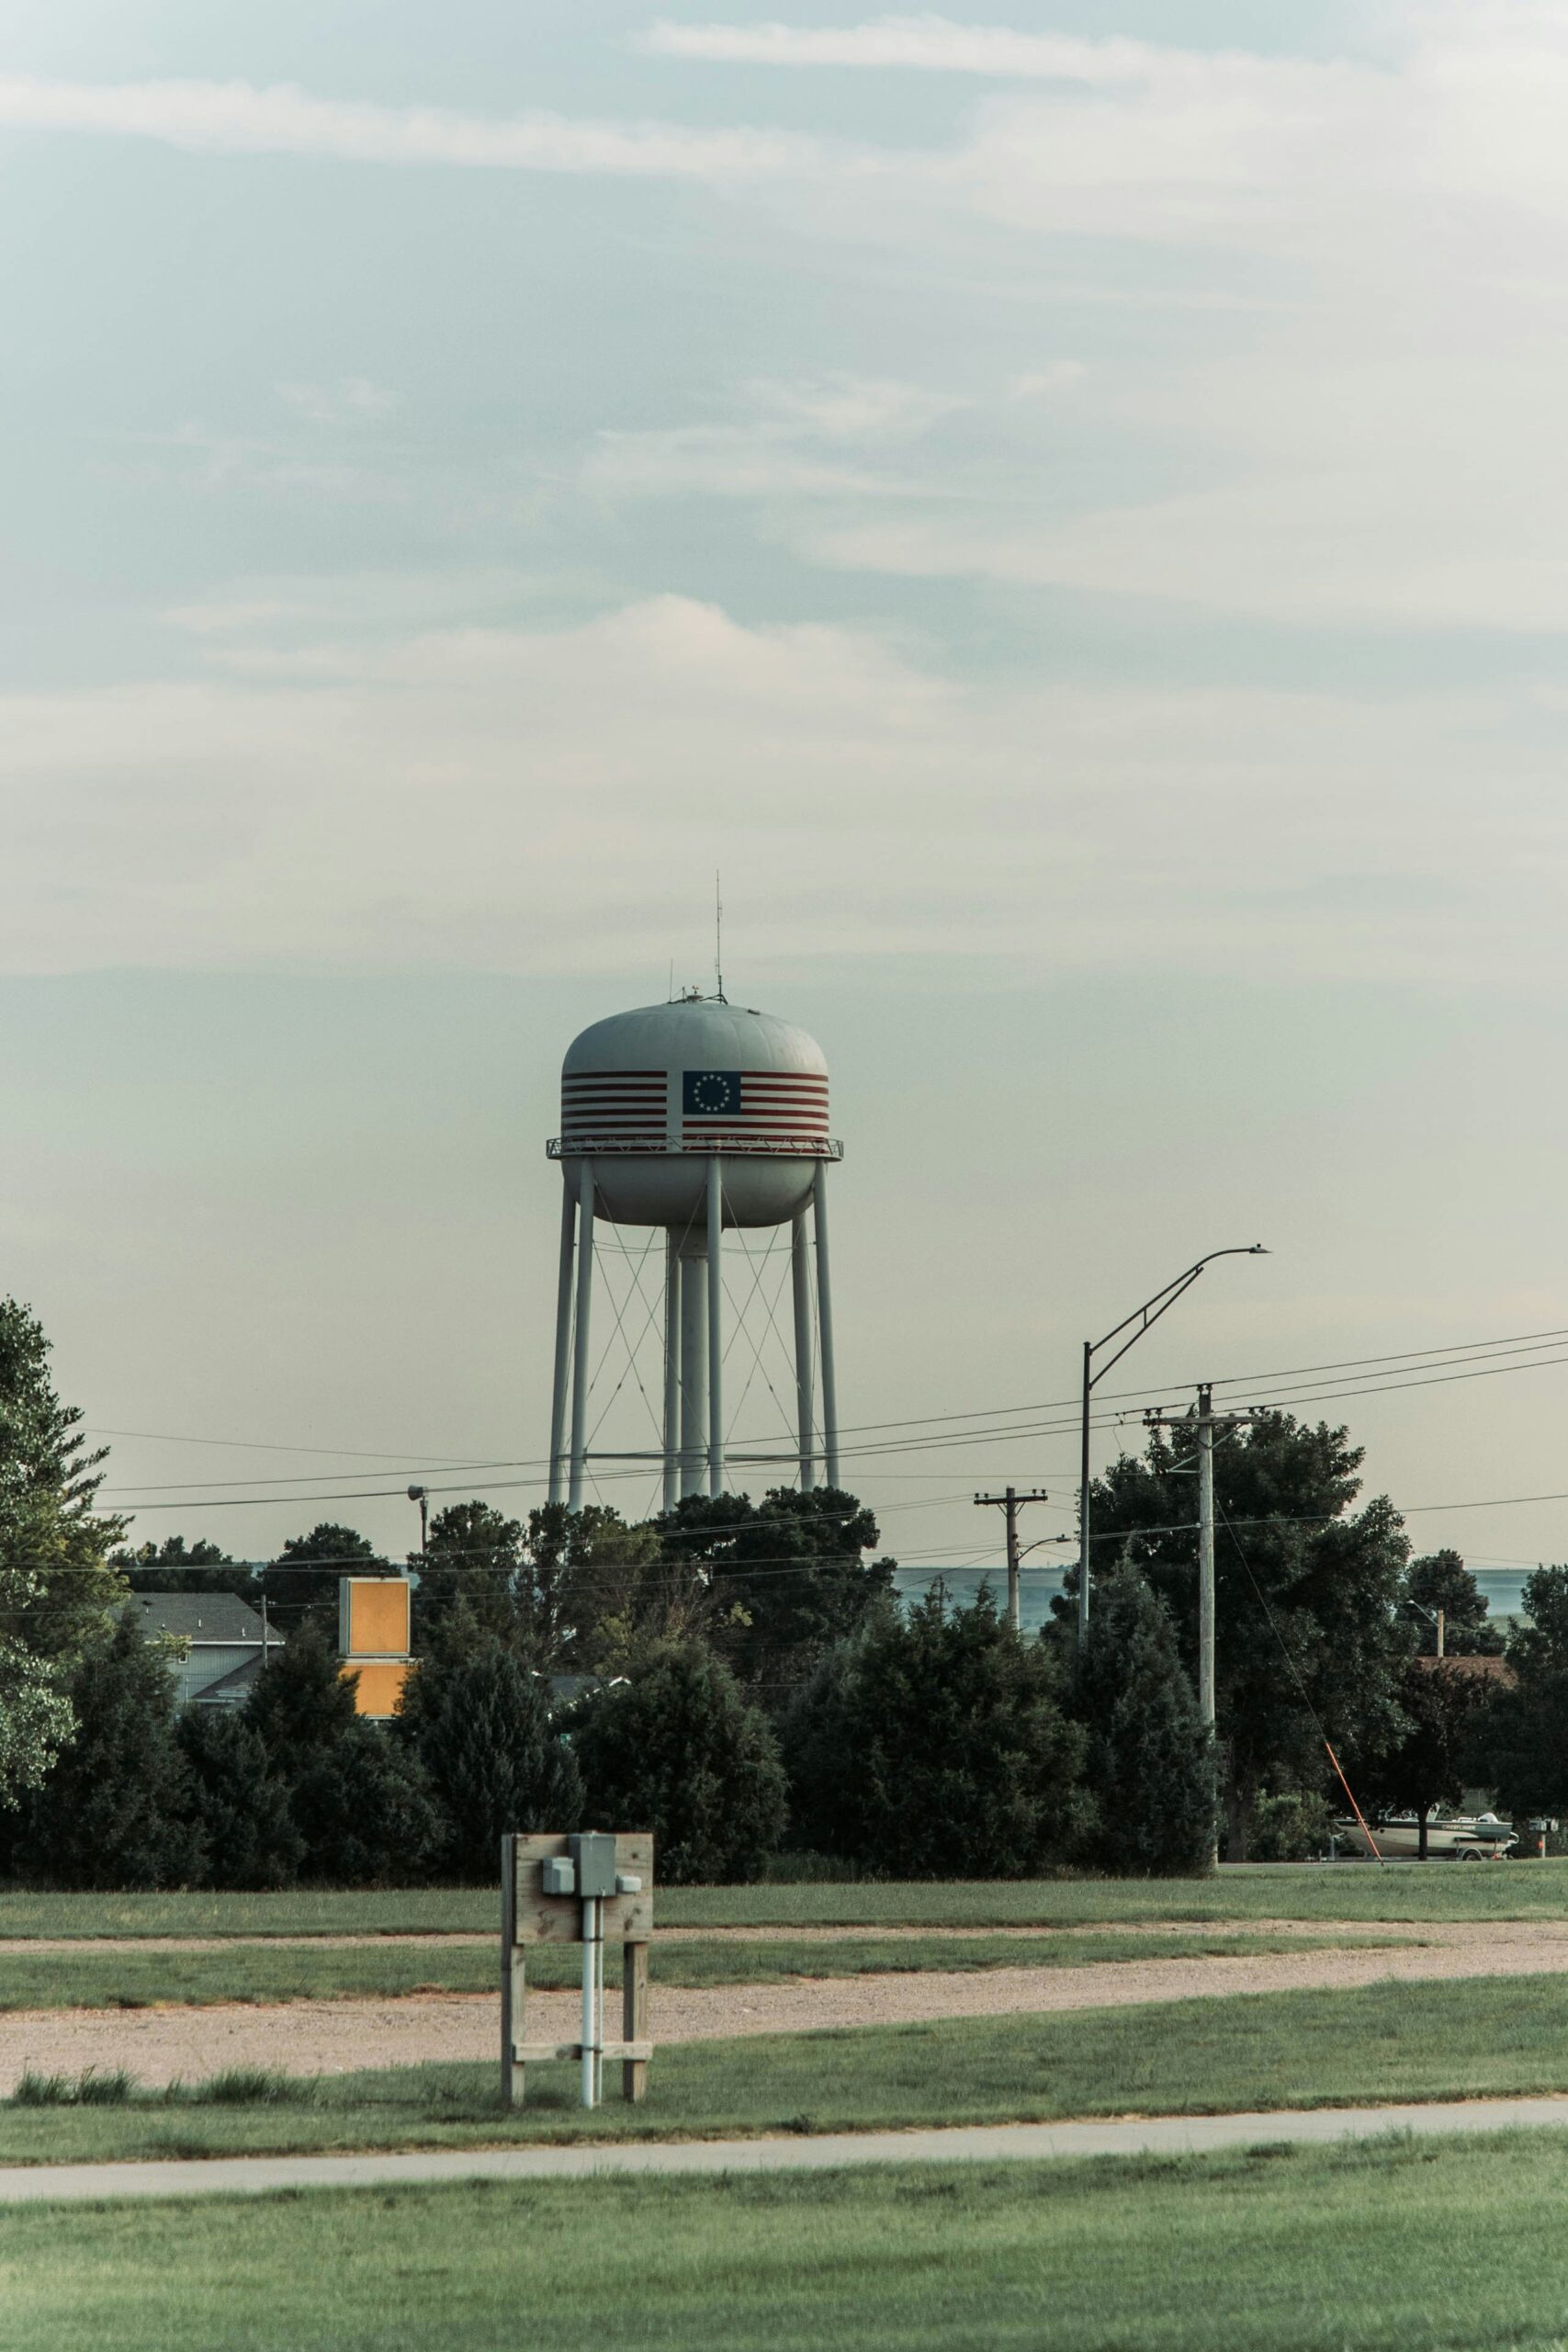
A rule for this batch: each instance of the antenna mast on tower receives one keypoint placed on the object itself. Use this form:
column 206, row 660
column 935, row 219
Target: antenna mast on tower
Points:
column 718, row 942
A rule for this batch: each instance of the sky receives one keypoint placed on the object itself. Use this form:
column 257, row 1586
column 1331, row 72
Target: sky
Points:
column 1063, row 509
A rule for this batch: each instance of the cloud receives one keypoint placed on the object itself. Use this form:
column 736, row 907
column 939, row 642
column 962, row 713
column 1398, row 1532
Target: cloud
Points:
column 348, row 401
column 238, row 118
column 1366, row 435
column 928, row 44
column 806, row 440
column 545, row 800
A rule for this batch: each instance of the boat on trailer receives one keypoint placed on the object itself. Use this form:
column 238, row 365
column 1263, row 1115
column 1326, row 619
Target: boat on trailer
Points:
column 1450, row 1836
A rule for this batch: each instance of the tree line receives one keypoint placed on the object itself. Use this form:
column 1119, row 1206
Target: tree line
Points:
column 739, row 1677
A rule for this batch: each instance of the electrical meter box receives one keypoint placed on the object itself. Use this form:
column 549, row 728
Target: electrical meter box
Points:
column 558, row 1876
column 594, row 1853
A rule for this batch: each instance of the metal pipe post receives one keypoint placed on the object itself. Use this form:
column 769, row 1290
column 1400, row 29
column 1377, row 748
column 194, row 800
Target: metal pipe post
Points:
column 580, row 1357
column 825, row 1330
column 1206, row 1556
column 716, row 1326
column 800, row 1268
column 589, row 2045
column 1083, row 1495
column 671, row 1371
column 694, row 1370
column 563, row 1344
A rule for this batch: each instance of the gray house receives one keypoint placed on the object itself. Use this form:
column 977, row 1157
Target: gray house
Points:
column 223, row 1640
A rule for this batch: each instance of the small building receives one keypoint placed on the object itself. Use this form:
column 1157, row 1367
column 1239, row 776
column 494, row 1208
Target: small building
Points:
column 223, row 1643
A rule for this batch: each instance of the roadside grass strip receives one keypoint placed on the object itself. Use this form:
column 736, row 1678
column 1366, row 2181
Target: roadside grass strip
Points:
column 1468, row 2038
column 278, row 1971
column 1352, row 1891
column 1381, row 2246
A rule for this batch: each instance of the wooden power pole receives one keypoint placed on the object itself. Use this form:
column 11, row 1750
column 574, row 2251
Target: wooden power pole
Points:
column 1010, row 1500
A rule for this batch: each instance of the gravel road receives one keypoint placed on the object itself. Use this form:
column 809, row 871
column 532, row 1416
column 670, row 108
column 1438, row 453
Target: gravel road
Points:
column 332, row 2036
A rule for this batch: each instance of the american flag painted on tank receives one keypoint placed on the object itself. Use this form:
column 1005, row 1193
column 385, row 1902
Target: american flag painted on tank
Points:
column 742, row 1102
column 615, row 1104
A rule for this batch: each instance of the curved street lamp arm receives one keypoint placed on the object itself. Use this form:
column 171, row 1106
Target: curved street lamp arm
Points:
column 1147, row 1315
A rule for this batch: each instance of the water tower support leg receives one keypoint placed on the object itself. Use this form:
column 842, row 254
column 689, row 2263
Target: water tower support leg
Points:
column 800, row 1268
column 716, row 1326
column 563, row 1346
column 694, row 1372
column 671, row 1372
column 825, row 1330
column 580, row 1358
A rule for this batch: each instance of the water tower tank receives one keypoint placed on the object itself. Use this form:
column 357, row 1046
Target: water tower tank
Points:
column 697, row 1116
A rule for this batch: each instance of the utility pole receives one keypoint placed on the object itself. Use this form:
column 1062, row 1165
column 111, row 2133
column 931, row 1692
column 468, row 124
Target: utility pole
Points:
column 1143, row 1318
column 1201, row 1423
column 1010, row 1500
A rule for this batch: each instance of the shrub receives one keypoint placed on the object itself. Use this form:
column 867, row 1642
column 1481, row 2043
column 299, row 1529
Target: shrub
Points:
column 1293, row 1827
column 676, row 1747
column 936, row 1745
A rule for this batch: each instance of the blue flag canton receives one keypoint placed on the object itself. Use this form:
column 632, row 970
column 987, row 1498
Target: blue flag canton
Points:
column 711, row 1092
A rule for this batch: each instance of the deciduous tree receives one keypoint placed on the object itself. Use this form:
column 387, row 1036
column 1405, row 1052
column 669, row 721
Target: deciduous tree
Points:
column 57, row 1587
column 1310, row 1639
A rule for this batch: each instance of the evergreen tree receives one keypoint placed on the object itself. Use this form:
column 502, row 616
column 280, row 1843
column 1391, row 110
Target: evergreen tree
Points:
column 303, row 1582
column 1441, row 1581
column 1307, row 1593
column 1150, row 1761
column 300, row 1704
column 937, row 1745
column 238, row 1801
column 364, row 1810
column 56, row 1585
column 480, row 1722
column 116, row 1811
column 676, row 1747
column 1517, row 1746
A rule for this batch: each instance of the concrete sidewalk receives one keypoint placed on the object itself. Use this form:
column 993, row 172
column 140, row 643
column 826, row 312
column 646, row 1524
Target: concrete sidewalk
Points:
column 988, row 2143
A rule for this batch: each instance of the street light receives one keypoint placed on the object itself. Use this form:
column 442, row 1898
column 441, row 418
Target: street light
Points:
column 421, row 1495
column 1144, row 1316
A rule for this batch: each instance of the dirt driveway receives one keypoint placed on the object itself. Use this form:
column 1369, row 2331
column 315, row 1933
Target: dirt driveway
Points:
column 332, row 2036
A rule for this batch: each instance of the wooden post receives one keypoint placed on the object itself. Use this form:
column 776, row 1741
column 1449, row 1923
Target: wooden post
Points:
column 633, row 2017
column 513, row 1986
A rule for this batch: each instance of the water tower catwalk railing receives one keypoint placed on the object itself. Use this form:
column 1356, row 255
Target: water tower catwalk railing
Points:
column 693, row 1448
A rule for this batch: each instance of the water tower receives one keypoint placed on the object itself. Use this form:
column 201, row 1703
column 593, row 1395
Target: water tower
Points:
column 697, row 1116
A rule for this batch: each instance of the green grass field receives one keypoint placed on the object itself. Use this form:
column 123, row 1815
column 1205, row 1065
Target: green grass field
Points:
column 276, row 1971
column 1403, row 1892
column 1465, row 2039
column 1396, row 2248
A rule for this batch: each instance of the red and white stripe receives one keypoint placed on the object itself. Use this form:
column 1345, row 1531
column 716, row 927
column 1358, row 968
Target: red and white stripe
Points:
column 615, row 1104
column 772, row 1102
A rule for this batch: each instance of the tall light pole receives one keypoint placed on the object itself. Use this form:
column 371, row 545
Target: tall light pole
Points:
column 1141, row 1320
column 421, row 1496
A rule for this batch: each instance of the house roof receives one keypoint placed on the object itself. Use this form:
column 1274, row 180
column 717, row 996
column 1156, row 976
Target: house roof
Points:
column 1476, row 1669
column 196, row 1616
column 239, row 1679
